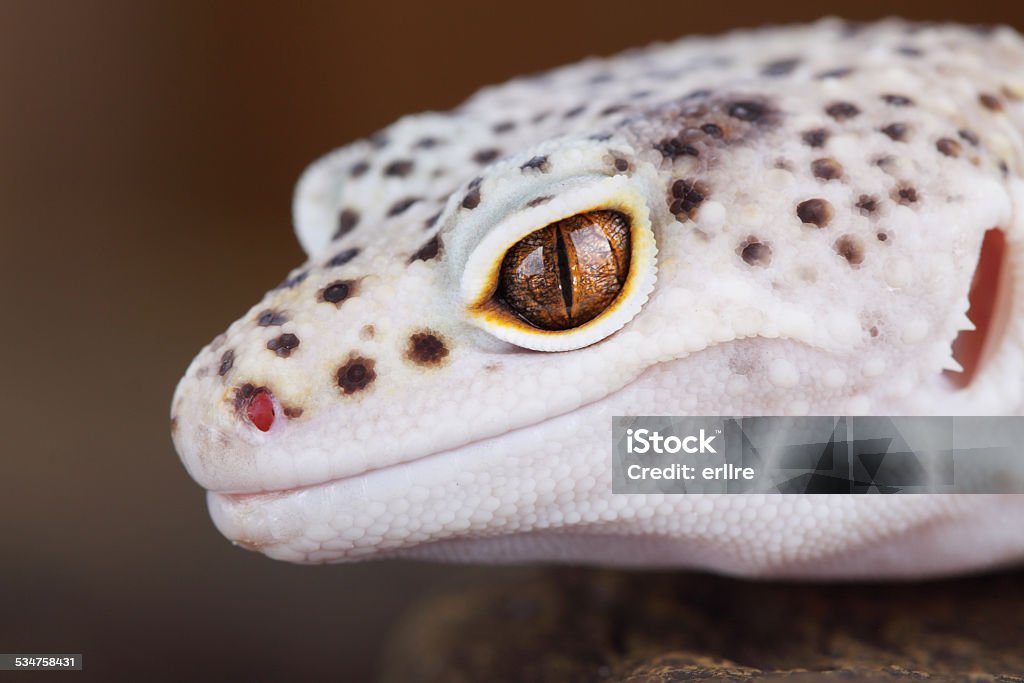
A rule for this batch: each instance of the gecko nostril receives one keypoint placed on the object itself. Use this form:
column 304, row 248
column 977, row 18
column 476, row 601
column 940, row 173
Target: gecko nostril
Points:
column 257, row 405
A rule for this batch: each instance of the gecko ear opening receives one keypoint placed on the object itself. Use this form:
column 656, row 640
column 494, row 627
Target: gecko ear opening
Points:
column 989, row 310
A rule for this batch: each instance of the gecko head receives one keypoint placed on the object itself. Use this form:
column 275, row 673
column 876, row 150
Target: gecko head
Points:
column 486, row 288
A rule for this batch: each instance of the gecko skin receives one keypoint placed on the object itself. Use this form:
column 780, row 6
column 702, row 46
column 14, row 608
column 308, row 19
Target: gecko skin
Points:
column 807, row 206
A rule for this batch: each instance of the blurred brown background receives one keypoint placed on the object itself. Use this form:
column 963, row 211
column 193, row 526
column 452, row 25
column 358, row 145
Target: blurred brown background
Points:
column 147, row 156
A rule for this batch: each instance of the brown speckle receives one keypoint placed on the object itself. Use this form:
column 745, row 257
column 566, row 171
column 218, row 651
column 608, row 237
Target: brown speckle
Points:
column 399, row 168
column 283, row 345
column 227, row 361
column 748, row 111
column 428, row 251
column 827, row 169
column 873, row 331
column 781, row 67
column 815, row 211
column 539, row 163
column 621, row 165
column 816, row 137
column 851, row 249
column 905, row 194
column 486, row 156
column 897, row 100
column 359, row 168
column 472, row 199
column 672, row 148
column 842, row 111
column 271, row 318
column 867, row 204
column 355, row 375
column 969, row 136
column 367, row 333
column 343, row 257
column 754, row 252
column 336, row 292
column 402, row 205
column 990, row 102
column 426, row 348
column 686, row 197
column 347, row 220
column 896, row 131
column 292, row 412
column 948, row 146
column 712, row 130
column 882, row 236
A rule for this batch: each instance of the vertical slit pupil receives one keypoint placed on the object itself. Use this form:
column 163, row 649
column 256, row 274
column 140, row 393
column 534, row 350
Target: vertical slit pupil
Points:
column 985, row 310
column 564, row 270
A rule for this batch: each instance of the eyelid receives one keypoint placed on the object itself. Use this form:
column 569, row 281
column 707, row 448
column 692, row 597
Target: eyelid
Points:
column 481, row 272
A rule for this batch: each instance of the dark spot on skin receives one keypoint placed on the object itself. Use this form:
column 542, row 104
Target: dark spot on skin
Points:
column 399, row 169
column 227, row 361
column 472, row 199
column 613, row 109
column 271, row 318
column 600, row 137
column 283, row 345
column 347, row 220
column 990, row 102
column 896, row 131
column 712, row 130
column 343, row 257
column 905, row 194
column 367, row 332
column 294, row 280
column 426, row 348
column 242, row 394
column 355, row 375
column 827, row 169
column 575, row 111
column 537, row 201
column 747, row 111
column 782, row 67
column 337, row 292
column 621, row 165
column 672, row 148
column 541, row 116
column 755, row 252
column 430, row 222
column 401, row 205
column 486, row 156
column 504, row 126
column 948, row 146
column 867, row 204
column 686, row 197
column 815, row 138
column 537, row 164
column 842, row 111
column 291, row 412
column 1003, row 168
column 359, row 168
column 908, row 51
column 882, row 237
column 850, row 249
column 427, row 143
column 969, row 136
column 873, row 331
column 841, row 72
column 897, row 100
column 815, row 211
column 427, row 251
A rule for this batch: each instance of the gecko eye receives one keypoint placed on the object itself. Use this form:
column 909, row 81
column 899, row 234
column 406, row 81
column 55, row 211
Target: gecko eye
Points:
column 561, row 273
column 568, row 273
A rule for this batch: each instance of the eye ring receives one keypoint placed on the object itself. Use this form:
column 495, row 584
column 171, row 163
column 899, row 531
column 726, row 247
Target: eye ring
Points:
column 486, row 303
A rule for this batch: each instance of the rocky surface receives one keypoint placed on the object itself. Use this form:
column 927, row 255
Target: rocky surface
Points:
column 587, row 625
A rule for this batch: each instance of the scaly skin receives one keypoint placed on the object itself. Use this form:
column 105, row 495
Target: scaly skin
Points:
column 867, row 162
